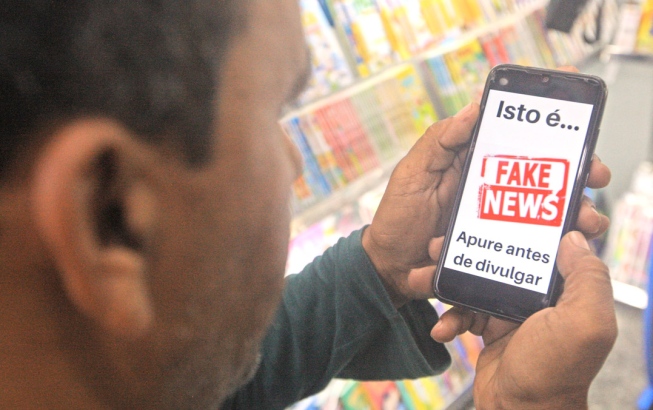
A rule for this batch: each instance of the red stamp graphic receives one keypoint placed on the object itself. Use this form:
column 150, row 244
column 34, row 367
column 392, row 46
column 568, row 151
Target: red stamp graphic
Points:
column 523, row 190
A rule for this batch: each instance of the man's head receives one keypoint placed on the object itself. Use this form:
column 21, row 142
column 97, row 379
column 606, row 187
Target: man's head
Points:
column 144, row 194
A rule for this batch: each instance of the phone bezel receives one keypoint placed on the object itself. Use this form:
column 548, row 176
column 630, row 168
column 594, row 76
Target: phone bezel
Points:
column 495, row 298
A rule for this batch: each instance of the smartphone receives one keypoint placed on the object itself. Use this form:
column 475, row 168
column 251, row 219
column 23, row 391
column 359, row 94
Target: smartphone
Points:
column 520, row 191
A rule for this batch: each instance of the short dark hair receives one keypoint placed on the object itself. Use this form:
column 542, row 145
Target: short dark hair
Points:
column 152, row 65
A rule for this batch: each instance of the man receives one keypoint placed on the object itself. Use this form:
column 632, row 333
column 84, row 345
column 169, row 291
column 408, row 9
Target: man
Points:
column 145, row 224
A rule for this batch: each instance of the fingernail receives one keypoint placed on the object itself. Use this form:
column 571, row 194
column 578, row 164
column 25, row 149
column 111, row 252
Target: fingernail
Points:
column 596, row 211
column 465, row 110
column 579, row 240
column 597, row 157
column 593, row 207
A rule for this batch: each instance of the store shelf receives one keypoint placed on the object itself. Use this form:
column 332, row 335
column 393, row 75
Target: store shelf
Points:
column 449, row 44
column 611, row 51
column 465, row 399
column 465, row 37
column 348, row 194
column 629, row 295
column 345, row 196
column 355, row 88
column 518, row 31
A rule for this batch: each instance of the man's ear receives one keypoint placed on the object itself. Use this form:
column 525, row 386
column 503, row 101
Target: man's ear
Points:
column 94, row 208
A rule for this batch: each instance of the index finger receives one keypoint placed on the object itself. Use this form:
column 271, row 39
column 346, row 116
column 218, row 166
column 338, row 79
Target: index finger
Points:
column 600, row 174
column 454, row 322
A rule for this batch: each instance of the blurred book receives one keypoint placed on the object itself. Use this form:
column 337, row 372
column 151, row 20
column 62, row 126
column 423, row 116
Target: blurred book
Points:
column 645, row 32
column 330, row 69
column 362, row 27
column 628, row 246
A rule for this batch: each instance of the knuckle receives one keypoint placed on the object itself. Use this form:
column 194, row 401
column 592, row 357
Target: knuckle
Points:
column 600, row 334
column 437, row 127
column 590, row 265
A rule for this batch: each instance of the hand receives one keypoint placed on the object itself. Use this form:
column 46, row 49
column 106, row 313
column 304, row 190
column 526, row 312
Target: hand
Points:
column 550, row 360
column 417, row 204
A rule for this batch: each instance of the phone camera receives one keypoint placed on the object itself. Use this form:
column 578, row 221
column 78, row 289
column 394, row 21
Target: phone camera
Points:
column 503, row 81
column 545, row 79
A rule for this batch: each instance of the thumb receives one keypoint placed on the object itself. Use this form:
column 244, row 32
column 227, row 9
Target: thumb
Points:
column 441, row 142
column 578, row 265
column 587, row 295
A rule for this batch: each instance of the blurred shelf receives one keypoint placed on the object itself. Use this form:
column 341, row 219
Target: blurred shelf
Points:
column 344, row 196
column 451, row 43
column 465, row 398
column 359, row 85
column 611, row 51
column 630, row 295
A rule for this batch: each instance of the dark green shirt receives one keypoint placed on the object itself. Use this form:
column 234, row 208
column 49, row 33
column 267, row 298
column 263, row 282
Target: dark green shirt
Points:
column 336, row 321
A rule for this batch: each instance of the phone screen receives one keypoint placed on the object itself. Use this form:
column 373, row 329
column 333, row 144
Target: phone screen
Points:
column 525, row 162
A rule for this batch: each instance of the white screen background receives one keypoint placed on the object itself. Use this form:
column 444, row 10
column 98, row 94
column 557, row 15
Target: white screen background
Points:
column 499, row 136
